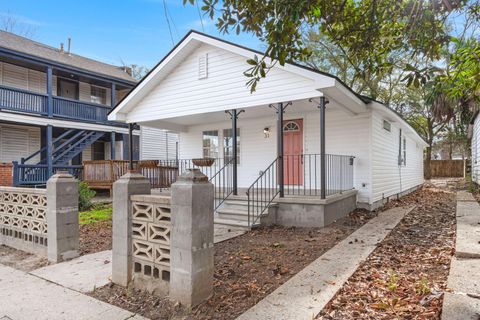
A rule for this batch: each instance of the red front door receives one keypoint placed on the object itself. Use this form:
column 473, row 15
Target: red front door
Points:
column 293, row 151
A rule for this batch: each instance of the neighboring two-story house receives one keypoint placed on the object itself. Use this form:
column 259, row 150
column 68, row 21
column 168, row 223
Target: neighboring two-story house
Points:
column 53, row 112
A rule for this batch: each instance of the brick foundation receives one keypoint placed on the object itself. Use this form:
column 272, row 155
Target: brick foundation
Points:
column 6, row 174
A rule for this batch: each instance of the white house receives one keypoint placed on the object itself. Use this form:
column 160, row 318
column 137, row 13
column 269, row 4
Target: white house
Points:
column 371, row 153
column 474, row 135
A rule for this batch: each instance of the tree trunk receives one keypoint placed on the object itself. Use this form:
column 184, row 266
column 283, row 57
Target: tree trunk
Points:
column 428, row 158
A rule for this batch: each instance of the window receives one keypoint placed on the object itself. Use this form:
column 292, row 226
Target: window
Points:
column 387, row 125
column 210, row 144
column 291, row 126
column 228, row 145
column 98, row 95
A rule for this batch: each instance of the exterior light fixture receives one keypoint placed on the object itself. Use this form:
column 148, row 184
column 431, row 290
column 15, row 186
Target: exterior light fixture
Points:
column 266, row 132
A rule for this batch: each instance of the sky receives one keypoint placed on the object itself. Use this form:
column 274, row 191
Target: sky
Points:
column 116, row 32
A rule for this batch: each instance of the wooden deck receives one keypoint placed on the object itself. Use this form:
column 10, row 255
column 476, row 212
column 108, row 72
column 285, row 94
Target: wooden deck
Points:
column 101, row 174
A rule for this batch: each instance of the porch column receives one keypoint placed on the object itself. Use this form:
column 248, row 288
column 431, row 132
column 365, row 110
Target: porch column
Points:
column 234, row 151
column 280, row 173
column 323, row 184
column 49, row 151
column 113, row 97
column 49, row 91
column 130, row 145
column 112, row 145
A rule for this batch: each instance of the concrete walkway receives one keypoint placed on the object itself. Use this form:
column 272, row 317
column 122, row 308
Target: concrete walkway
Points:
column 463, row 303
column 307, row 293
column 27, row 297
column 85, row 273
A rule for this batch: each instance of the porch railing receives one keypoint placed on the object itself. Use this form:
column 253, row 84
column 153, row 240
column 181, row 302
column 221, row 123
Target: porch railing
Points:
column 37, row 174
column 20, row 100
column 302, row 177
column 223, row 183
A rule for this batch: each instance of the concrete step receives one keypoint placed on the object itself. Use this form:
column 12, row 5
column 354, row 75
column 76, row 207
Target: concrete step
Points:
column 232, row 223
column 235, row 204
column 232, row 214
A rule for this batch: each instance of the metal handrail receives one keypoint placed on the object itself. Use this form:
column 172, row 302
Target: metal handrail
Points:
column 266, row 183
column 223, row 183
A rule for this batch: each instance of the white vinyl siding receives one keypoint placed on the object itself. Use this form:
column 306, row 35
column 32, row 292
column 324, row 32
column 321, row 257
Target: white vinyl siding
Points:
column 476, row 150
column 390, row 178
column 87, row 153
column 17, row 142
column 182, row 93
column 157, row 144
column 346, row 135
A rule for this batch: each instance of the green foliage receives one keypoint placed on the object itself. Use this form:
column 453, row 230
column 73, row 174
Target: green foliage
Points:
column 98, row 213
column 85, row 196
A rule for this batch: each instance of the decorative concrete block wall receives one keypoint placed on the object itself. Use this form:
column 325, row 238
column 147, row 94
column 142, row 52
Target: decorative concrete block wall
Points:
column 42, row 221
column 23, row 219
column 151, row 225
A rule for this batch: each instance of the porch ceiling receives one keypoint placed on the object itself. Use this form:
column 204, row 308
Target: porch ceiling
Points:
column 262, row 111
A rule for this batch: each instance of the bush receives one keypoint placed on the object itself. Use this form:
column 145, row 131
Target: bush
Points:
column 85, row 195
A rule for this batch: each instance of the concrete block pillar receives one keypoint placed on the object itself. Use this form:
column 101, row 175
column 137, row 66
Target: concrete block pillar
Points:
column 129, row 184
column 191, row 242
column 62, row 217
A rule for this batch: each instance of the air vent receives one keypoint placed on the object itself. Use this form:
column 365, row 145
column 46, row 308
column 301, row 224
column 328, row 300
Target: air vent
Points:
column 203, row 66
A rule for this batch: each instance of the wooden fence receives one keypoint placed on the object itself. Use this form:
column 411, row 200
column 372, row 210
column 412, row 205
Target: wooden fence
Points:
column 101, row 174
column 447, row 168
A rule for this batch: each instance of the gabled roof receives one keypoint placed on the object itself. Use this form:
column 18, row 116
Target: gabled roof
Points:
column 23, row 45
column 180, row 51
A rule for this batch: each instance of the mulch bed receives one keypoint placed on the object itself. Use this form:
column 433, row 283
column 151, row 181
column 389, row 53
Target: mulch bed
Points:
column 95, row 237
column 247, row 268
column 406, row 275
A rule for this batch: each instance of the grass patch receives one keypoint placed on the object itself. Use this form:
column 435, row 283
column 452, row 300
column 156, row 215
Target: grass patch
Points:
column 99, row 213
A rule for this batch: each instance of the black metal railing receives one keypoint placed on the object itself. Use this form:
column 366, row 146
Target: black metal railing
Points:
column 302, row 174
column 261, row 192
column 37, row 174
column 223, row 183
column 181, row 165
column 301, row 177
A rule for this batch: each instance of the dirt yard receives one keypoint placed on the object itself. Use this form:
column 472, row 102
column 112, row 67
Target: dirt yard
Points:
column 247, row 269
column 405, row 277
column 95, row 237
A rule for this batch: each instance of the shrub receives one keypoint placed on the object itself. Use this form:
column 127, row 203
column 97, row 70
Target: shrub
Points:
column 85, row 195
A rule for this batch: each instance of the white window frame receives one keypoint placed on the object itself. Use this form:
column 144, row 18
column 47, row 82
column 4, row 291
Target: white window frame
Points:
column 209, row 148
column 96, row 98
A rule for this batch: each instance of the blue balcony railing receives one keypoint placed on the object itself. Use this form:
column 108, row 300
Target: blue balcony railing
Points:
column 37, row 103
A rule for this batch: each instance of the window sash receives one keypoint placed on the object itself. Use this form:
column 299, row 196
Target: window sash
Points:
column 228, row 144
column 98, row 95
column 210, row 144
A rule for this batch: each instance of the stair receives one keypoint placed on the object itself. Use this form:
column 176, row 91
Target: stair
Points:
column 234, row 213
column 62, row 157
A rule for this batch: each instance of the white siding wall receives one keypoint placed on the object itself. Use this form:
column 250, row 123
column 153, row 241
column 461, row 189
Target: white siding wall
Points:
column 32, row 80
column 17, row 142
column 476, row 150
column 183, row 93
column 157, row 144
column 346, row 135
column 387, row 176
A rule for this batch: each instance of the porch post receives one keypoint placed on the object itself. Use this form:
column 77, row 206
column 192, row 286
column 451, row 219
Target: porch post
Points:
column 112, row 145
column 323, row 184
column 49, row 151
column 234, row 151
column 280, row 173
column 113, row 97
column 130, row 145
column 49, row 91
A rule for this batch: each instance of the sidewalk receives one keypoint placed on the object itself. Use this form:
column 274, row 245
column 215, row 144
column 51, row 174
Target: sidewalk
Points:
column 463, row 303
column 27, row 297
column 306, row 294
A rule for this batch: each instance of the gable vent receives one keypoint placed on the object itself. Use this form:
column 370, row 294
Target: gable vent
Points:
column 203, row 66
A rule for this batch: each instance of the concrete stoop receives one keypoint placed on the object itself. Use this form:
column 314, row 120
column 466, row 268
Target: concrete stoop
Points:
column 463, row 303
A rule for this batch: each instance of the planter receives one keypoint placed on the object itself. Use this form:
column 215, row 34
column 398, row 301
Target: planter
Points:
column 203, row 162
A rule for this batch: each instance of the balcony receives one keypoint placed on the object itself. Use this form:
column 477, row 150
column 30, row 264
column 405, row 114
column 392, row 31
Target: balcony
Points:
column 20, row 100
